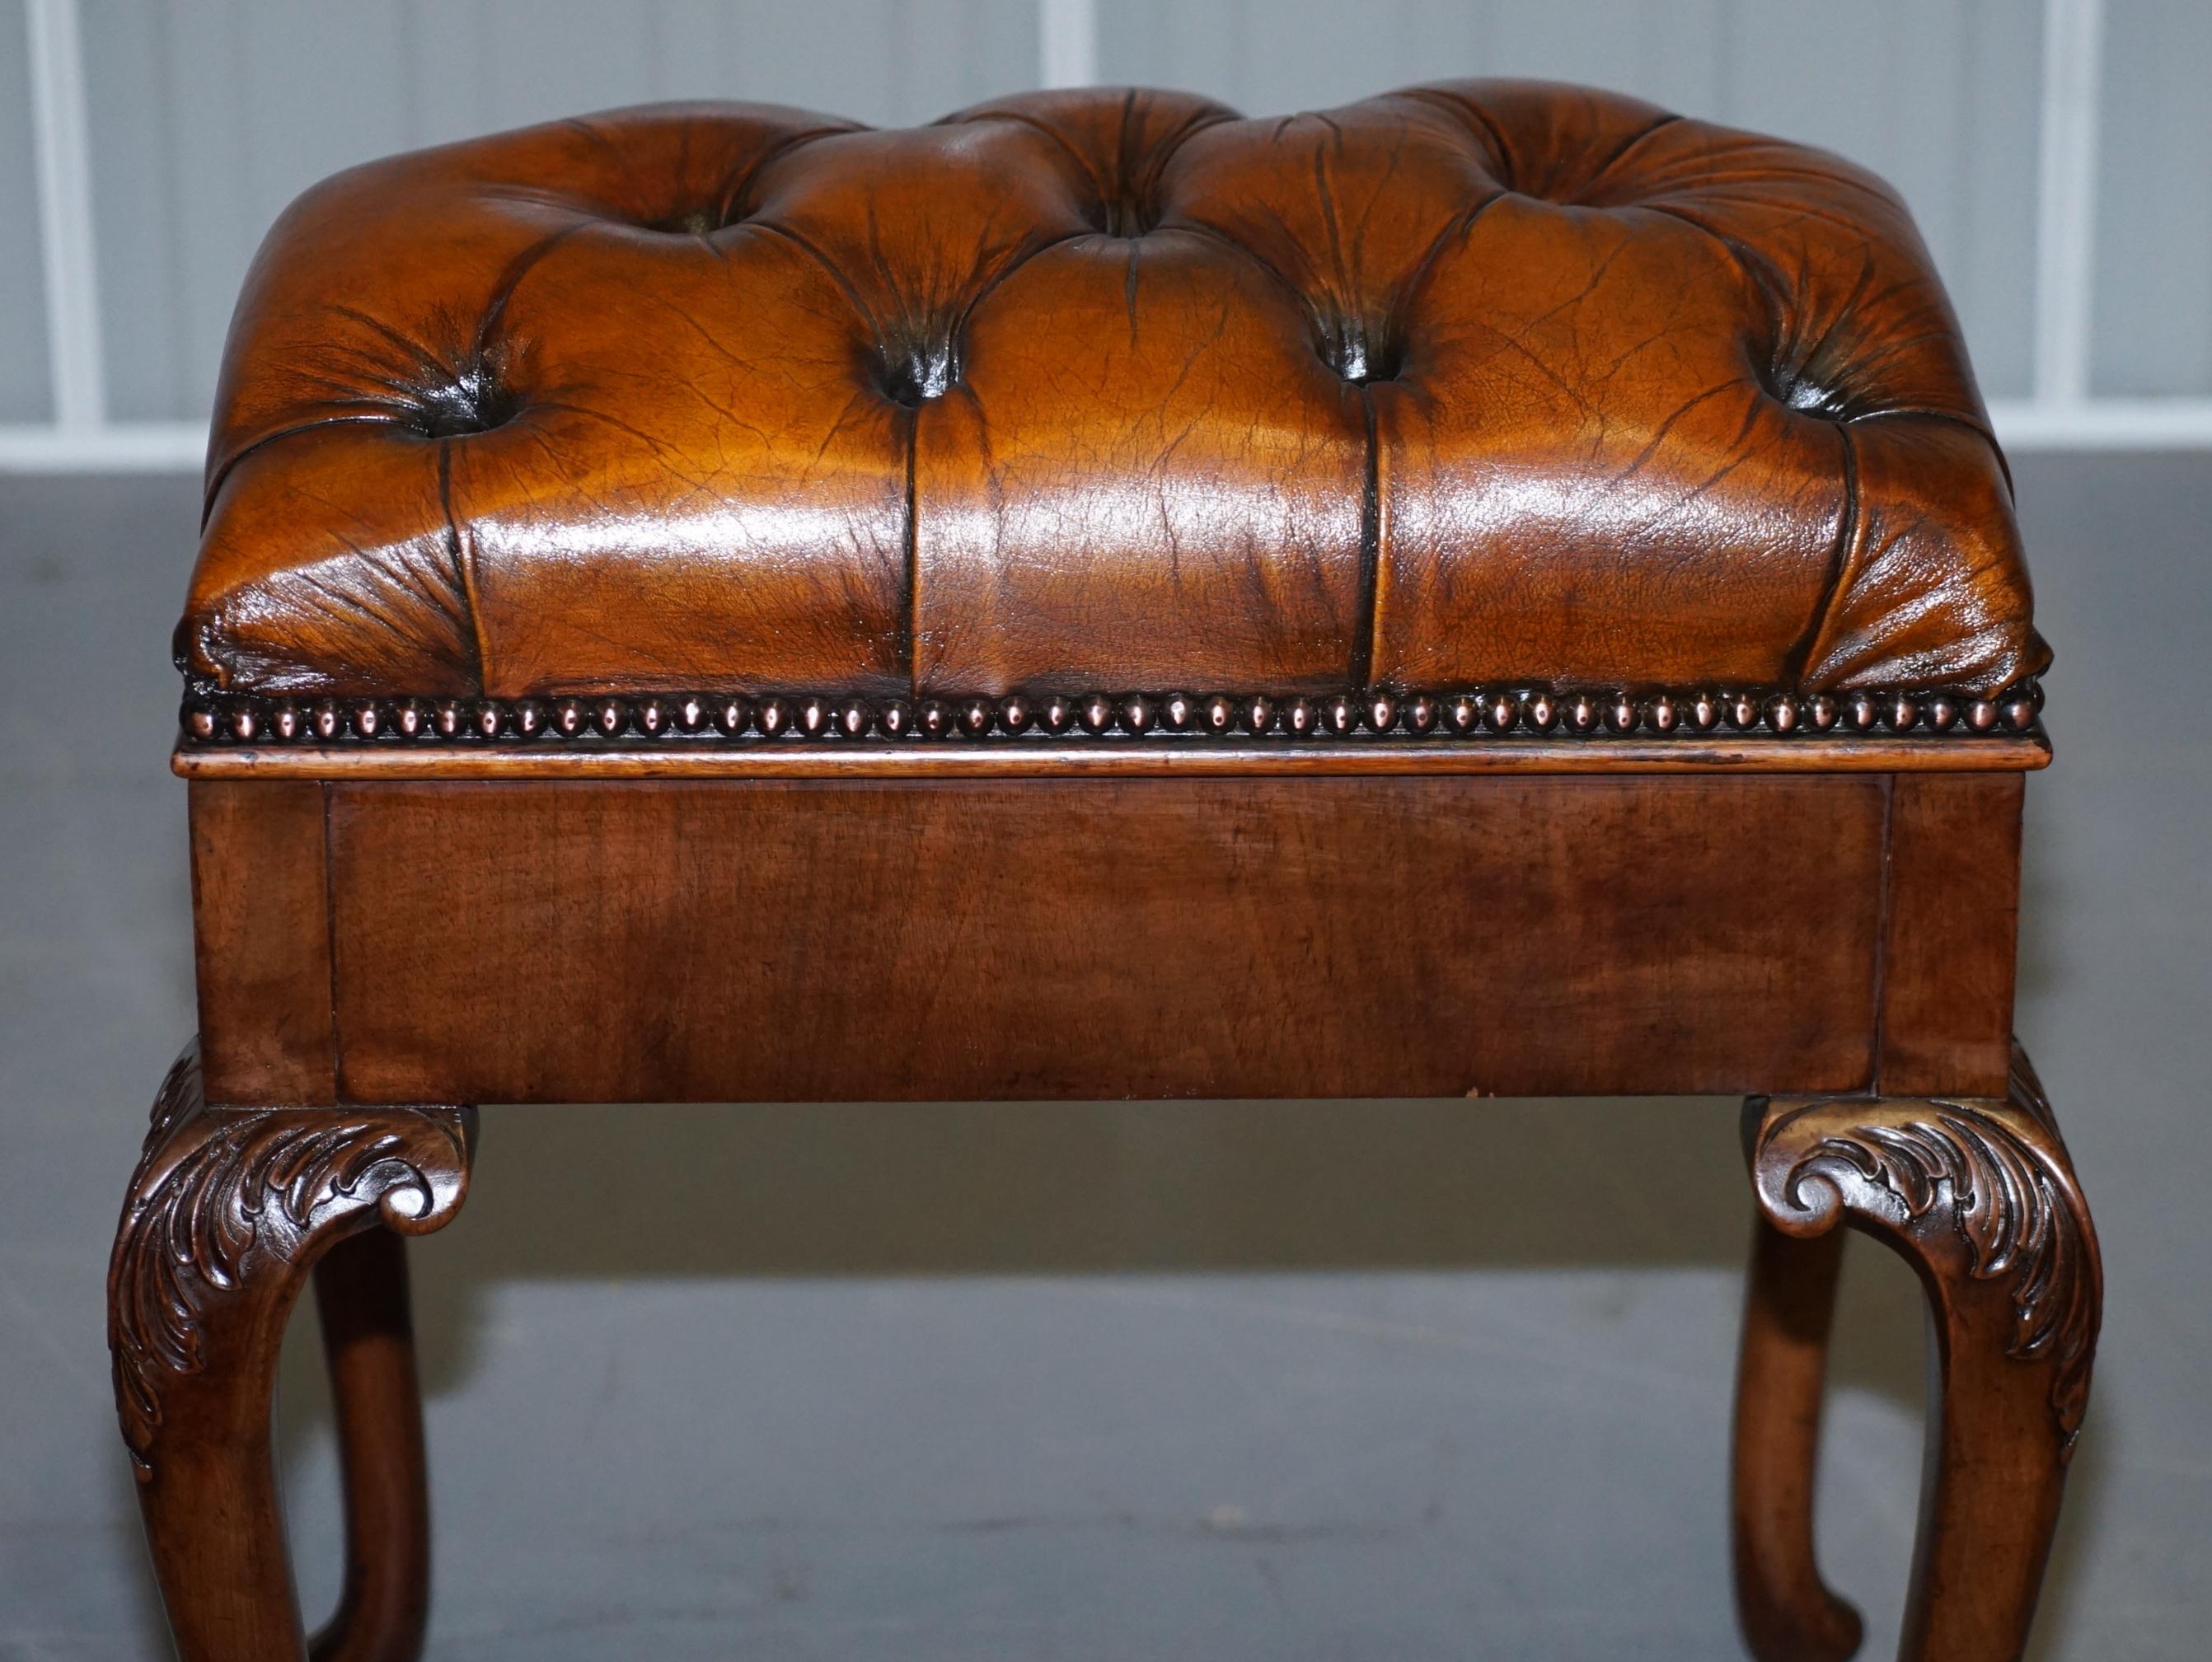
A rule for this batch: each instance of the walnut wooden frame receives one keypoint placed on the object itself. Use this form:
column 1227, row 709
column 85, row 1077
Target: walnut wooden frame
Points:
column 1831, row 931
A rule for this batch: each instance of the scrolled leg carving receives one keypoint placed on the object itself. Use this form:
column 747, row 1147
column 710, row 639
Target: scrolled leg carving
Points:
column 1980, row 1197
column 228, row 1211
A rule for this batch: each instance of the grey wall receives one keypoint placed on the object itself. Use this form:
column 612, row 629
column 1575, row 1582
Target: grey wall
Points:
column 207, row 117
column 23, row 383
column 2154, row 311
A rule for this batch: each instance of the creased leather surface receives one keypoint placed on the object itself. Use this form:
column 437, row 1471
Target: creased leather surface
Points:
column 1489, row 381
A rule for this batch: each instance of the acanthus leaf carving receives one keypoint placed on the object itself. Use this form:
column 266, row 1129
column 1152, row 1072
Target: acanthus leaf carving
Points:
column 1993, row 1177
column 223, row 1197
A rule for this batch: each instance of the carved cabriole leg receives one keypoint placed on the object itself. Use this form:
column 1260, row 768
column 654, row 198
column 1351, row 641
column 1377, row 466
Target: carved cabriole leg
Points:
column 1979, row 1196
column 229, row 1212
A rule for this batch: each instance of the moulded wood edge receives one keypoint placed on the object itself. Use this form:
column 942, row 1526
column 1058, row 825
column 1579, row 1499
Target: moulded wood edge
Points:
column 1186, row 758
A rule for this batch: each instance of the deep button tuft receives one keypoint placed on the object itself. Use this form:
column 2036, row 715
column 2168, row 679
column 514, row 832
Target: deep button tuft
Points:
column 913, row 371
column 1361, row 351
column 693, row 222
column 1809, row 396
column 473, row 399
column 1127, row 217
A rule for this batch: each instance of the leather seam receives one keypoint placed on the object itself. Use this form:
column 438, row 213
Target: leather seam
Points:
column 737, row 183
column 1756, row 268
column 510, row 278
column 458, row 549
column 1473, row 120
column 1841, row 559
column 911, row 612
column 1980, row 429
column 1621, row 154
column 831, row 269
column 221, row 474
column 1368, row 616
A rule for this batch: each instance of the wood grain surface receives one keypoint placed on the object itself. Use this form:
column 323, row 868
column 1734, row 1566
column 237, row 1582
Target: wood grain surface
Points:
column 261, row 924
column 1379, row 937
column 1873, row 754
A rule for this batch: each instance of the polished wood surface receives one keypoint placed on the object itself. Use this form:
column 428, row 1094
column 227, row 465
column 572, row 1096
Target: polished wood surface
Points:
column 1871, row 753
column 804, row 940
column 368, row 1341
column 1949, row 923
column 261, row 943
column 367, row 945
column 1788, row 1613
column 1051, row 939
column 228, row 1214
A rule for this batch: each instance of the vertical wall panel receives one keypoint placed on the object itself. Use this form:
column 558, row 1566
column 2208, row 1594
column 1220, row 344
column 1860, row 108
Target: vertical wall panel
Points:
column 146, row 315
column 205, row 120
column 2153, row 319
column 26, row 387
column 1940, row 96
column 1676, row 53
column 208, row 117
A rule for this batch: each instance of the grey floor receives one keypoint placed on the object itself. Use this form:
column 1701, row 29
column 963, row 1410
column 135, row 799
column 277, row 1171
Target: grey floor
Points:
column 1217, row 1381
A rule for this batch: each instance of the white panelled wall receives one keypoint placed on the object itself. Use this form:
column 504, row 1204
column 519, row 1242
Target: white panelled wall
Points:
column 2052, row 150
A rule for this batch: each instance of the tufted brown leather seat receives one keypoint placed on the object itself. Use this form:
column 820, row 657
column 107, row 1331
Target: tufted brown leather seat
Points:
column 1489, row 382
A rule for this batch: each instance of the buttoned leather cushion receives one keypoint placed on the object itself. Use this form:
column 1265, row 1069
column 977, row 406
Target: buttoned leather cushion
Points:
column 1475, row 383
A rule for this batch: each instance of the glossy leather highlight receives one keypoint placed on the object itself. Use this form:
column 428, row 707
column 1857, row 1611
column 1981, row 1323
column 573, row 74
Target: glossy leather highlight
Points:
column 1488, row 382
